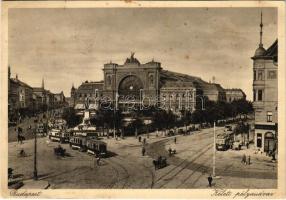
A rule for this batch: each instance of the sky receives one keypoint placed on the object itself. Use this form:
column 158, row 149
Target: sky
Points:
column 69, row 46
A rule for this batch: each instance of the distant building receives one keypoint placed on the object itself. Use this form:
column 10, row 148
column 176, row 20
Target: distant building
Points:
column 214, row 92
column 46, row 98
column 234, row 94
column 265, row 95
column 59, row 99
column 20, row 94
column 87, row 90
column 50, row 99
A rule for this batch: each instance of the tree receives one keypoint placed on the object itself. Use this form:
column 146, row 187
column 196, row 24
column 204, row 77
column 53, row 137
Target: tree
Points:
column 109, row 118
column 163, row 119
column 72, row 119
column 242, row 106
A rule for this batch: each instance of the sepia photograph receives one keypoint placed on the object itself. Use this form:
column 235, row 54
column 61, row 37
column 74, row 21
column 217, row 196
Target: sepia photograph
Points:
column 132, row 96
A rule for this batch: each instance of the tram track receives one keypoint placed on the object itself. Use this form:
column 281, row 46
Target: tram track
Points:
column 193, row 172
column 187, row 164
column 152, row 175
column 145, row 167
column 127, row 175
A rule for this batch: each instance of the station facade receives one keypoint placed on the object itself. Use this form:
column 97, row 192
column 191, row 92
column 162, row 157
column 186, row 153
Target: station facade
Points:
column 136, row 85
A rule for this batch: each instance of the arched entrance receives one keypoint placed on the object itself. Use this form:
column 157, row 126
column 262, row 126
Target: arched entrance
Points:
column 269, row 142
column 129, row 90
column 130, row 86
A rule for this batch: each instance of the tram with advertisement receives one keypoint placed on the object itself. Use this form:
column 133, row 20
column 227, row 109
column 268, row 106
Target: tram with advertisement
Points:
column 62, row 136
column 81, row 134
column 86, row 138
column 58, row 131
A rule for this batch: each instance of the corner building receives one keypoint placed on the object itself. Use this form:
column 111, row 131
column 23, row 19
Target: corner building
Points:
column 265, row 95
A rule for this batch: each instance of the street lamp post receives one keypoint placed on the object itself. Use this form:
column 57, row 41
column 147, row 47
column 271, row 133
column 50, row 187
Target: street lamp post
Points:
column 214, row 152
column 114, row 102
column 35, row 154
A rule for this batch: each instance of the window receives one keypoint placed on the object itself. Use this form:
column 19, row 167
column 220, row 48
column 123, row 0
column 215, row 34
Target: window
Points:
column 254, row 95
column 151, row 79
column 272, row 74
column 109, row 80
column 260, row 75
column 254, row 75
column 260, row 94
column 269, row 116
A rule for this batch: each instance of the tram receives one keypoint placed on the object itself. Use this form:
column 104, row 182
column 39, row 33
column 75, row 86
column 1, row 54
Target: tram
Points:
column 223, row 141
column 96, row 147
column 57, row 135
column 81, row 134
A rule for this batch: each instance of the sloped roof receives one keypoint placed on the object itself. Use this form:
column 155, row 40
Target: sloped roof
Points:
column 174, row 79
column 38, row 89
column 272, row 51
column 21, row 83
column 89, row 87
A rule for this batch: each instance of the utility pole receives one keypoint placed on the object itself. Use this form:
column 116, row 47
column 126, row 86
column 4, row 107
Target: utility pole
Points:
column 214, row 151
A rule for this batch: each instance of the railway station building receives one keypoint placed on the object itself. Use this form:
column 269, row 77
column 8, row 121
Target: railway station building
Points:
column 139, row 85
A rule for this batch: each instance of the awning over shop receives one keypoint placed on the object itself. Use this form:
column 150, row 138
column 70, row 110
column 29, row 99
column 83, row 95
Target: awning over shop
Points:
column 93, row 106
column 79, row 106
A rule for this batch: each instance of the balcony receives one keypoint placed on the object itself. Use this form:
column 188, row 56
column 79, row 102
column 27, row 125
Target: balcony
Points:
column 258, row 83
column 258, row 104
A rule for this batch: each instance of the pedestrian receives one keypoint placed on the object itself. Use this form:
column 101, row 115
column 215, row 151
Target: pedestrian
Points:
column 248, row 160
column 98, row 161
column 210, row 180
column 170, row 151
column 139, row 138
column 144, row 141
column 273, row 155
column 247, row 145
column 175, row 140
column 143, row 151
column 19, row 135
column 243, row 159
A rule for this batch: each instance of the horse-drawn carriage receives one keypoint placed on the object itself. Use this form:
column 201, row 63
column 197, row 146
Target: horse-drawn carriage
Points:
column 59, row 151
column 160, row 162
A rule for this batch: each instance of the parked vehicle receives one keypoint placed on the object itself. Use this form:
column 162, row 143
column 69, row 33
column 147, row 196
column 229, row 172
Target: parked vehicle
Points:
column 10, row 123
column 160, row 162
column 236, row 145
column 171, row 132
column 181, row 131
column 59, row 151
column 228, row 128
column 96, row 147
